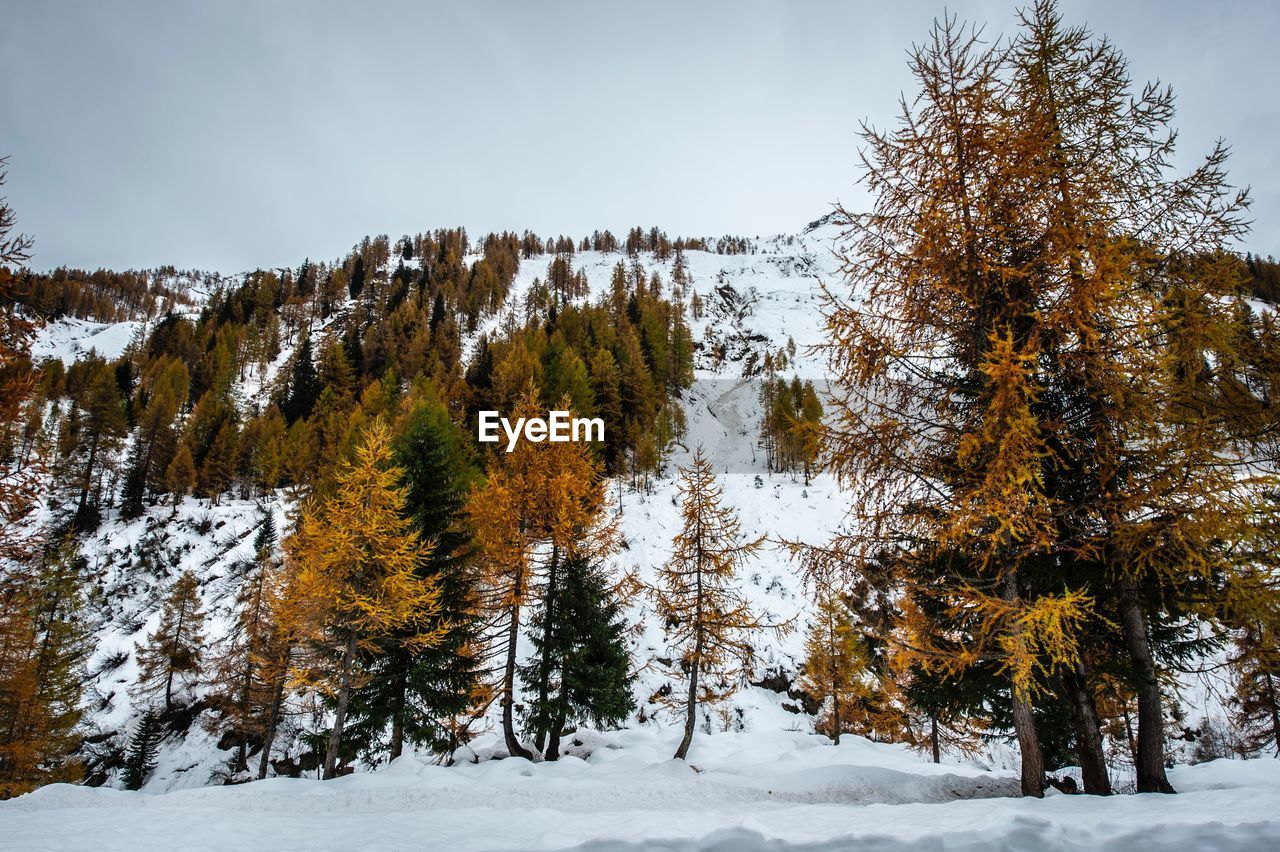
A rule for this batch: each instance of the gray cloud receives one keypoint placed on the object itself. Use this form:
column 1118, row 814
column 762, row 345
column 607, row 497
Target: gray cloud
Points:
column 230, row 135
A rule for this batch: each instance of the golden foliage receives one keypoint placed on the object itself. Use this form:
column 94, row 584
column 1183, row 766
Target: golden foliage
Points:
column 835, row 670
column 709, row 623
column 353, row 564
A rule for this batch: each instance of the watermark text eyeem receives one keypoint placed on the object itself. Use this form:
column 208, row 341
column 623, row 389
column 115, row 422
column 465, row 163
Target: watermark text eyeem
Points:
column 557, row 427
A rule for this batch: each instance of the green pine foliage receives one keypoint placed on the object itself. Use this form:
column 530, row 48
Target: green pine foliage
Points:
column 414, row 696
column 791, row 428
column 140, row 759
column 578, row 637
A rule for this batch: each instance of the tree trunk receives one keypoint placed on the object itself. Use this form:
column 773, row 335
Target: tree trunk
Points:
column 544, row 665
column 1084, row 719
column 1150, row 755
column 557, row 727
column 562, row 706
column 933, row 738
column 273, row 721
column 553, row 740
column 691, row 704
column 340, row 718
column 509, row 688
column 1024, row 723
column 1275, row 712
column 835, row 716
column 88, row 480
column 397, row 715
column 246, row 697
column 173, row 652
column 1024, row 726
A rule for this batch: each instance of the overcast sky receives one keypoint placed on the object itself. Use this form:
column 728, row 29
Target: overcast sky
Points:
column 232, row 135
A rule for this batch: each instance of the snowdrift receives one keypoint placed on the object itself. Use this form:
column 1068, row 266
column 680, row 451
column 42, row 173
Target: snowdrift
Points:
column 767, row 790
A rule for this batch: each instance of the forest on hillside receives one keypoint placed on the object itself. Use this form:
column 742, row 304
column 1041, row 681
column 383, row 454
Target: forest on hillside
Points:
column 1054, row 408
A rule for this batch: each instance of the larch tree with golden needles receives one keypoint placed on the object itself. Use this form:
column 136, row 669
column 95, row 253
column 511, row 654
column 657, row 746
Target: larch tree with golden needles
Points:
column 937, row 428
column 275, row 652
column 1024, row 372
column 709, row 623
column 834, row 666
column 171, row 662
column 543, row 503
column 243, row 688
column 45, row 642
column 1156, row 486
column 354, row 560
column 20, row 485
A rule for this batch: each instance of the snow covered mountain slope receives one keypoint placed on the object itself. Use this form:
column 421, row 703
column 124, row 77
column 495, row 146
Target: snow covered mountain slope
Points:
column 754, row 303
column 758, row 778
column 70, row 339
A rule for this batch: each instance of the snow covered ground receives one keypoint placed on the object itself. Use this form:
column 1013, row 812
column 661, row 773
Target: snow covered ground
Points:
column 70, row 339
column 760, row 790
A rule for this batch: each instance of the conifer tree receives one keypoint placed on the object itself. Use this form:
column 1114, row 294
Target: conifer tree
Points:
column 91, row 435
column 20, row 486
column 304, row 385
column 15, row 249
column 180, row 475
column 417, row 692
column 606, row 382
column 242, row 692
column 219, row 467
column 140, row 759
column 335, row 369
column 963, row 475
column 539, row 496
column 578, row 636
column 1161, row 468
column 710, row 623
column 288, row 616
column 173, row 657
column 45, row 641
column 1027, row 329
column 162, row 393
column 834, row 664
column 357, row 281
column 356, row 562
column 1256, row 700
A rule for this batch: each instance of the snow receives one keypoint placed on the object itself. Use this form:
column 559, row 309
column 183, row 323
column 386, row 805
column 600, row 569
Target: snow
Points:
column 754, row 791
column 69, row 339
column 757, row 778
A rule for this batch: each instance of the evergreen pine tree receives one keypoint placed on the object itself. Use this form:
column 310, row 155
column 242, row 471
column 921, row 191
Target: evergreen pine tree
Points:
column 418, row 692
column 356, row 284
column 304, row 385
column 140, row 759
column 581, row 633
